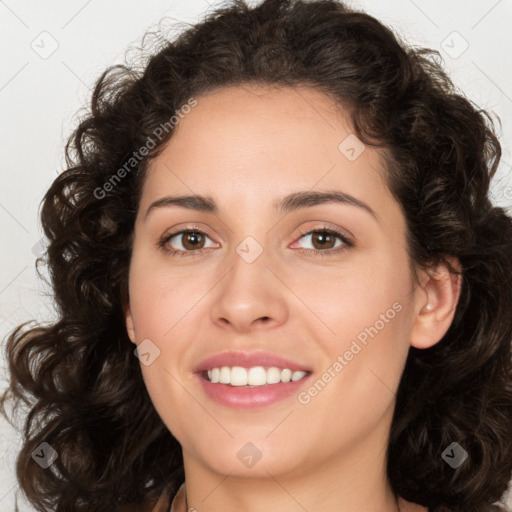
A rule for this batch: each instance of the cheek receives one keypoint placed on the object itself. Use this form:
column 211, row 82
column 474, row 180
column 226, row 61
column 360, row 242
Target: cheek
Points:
column 165, row 307
column 160, row 299
column 366, row 290
column 367, row 311
column 160, row 316
column 365, row 361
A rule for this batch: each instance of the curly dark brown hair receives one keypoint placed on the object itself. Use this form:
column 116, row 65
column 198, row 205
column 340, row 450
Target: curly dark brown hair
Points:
column 79, row 376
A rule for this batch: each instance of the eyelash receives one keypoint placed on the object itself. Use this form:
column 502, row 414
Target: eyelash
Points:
column 347, row 243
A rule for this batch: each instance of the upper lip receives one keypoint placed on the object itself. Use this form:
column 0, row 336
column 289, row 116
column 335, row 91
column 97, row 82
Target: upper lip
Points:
column 248, row 360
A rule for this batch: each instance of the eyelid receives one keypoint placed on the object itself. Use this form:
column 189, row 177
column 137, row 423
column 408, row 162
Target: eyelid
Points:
column 163, row 241
column 347, row 240
column 325, row 226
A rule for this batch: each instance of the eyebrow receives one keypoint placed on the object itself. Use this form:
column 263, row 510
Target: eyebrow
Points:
column 291, row 202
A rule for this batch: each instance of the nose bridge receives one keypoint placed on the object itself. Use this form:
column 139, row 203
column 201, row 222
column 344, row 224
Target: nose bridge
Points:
column 248, row 262
column 250, row 241
column 250, row 290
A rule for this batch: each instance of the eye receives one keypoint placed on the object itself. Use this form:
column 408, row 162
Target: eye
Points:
column 323, row 239
column 191, row 242
column 185, row 241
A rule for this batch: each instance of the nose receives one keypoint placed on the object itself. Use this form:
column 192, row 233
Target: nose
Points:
column 250, row 296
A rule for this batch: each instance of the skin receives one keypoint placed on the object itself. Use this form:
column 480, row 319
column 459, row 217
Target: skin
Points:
column 246, row 148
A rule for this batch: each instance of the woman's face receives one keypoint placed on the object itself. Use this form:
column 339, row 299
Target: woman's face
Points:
column 248, row 282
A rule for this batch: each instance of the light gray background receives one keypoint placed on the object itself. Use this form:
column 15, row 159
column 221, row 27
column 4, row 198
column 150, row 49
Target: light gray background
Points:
column 40, row 93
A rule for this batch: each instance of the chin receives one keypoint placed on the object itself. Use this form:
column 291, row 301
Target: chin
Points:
column 246, row 458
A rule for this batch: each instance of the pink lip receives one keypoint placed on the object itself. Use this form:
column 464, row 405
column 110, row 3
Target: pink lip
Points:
column 248, row 360
column 249, row 397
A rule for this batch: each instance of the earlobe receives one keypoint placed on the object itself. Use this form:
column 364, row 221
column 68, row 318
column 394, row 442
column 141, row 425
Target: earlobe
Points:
column 130, row 328
column 436, row 302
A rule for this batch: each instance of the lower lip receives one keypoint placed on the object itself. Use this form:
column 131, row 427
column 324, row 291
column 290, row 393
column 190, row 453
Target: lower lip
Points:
column 241, row 397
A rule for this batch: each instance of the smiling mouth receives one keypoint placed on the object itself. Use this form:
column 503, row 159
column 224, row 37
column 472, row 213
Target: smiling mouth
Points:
column 256, row 376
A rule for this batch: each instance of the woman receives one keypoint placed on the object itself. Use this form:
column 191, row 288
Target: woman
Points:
column 281, row 282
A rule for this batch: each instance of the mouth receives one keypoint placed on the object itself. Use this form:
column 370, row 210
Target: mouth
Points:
column 256, row 376
column 256, row 387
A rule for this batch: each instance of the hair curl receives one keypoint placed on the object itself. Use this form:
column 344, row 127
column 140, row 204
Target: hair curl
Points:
column 86, row 394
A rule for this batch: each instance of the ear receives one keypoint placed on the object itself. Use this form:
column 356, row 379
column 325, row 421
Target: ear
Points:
column 130, row 328
column 435, row 303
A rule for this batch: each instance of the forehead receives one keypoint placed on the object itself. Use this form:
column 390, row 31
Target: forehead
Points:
column 247, row 109
column 258, row 143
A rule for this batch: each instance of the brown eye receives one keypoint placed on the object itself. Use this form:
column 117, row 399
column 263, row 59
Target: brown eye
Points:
column 193, row 240
column 323, row 240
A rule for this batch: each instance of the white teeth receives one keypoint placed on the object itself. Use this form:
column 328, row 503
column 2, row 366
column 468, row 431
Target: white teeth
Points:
column 273, row 375
column 238, row 376
column 225, row 375
column 297, row 375
column 286, row 375
column 255, row 376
